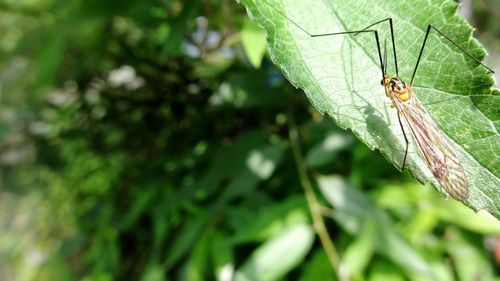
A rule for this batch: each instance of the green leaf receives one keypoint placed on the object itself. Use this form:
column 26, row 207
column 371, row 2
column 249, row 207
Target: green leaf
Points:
column 480, row 223
column 254, row 42
column 354, row 211
column 278, row 255
column 341, row 77
column 153, row 272
column 271, row 220
column 358, row 254
column 184, row 242
column 470, row 262
column 431, row 210
column 49, row 58
column 222, row 256
column 324, row 152
column 383, row 271
column 196, row 266
column 318, row 268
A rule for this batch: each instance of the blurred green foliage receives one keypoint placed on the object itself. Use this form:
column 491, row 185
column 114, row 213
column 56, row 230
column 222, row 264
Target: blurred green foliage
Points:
column 139, row 142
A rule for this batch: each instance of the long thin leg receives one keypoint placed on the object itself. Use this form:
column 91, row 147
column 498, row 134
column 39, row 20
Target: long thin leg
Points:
column 393, row 43
column 420, row 54
column 355, row 32
column 429, row 27
column 394, row 47
column 406, row 141
column 385, row 56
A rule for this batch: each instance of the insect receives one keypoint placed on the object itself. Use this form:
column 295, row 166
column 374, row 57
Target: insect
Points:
column 439, row 155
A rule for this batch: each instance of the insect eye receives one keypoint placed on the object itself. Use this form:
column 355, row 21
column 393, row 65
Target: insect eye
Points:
column 382, row 82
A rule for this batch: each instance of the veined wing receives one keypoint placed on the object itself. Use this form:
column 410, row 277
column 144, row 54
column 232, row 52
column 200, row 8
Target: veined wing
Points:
column 434, row 145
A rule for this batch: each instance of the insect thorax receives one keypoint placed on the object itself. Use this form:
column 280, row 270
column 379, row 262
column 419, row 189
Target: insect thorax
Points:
column 397, row 87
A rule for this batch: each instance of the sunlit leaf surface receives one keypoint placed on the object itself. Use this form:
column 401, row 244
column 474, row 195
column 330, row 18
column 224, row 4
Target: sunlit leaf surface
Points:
column 341, row 77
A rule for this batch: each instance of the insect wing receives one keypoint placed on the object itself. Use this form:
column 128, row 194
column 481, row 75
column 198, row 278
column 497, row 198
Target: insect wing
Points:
column 438, row 153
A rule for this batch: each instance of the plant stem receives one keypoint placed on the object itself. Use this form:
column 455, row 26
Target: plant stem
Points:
column 312, row 201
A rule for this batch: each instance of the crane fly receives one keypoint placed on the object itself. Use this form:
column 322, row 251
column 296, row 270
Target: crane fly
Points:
column 433, row 145
column 436, row 149
column 431, row 142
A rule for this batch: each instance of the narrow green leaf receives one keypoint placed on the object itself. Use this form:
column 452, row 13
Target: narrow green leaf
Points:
column 324, row 152
column 479, row 223
column 197, row 264
column 254, row 42
column 277, row 256
column 184, row 241
column 49, row 59
column 271, row 220
column 153, row 272
column 341, row 77
column 359, row 253
column 440, row 272
column 383, row 271
column 141, row 203
column 318, row 268
column 222, row 256
column 470, row 263
column 353, row 210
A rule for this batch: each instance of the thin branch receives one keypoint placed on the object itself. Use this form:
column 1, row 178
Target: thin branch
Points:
column 312, row 201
